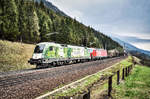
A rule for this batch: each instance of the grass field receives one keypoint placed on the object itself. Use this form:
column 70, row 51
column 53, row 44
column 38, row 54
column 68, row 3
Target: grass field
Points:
column 82, row 85
column 136, row 86
column 15, row 56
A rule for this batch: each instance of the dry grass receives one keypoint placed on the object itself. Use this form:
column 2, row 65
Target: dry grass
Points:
column 15, row 56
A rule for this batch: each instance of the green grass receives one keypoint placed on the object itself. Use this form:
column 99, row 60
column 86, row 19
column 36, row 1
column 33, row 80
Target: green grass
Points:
column 136, row 86
column 15, row 56
column 83, row 86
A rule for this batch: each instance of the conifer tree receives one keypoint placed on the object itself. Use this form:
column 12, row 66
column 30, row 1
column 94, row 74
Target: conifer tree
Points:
column 1, row 18
column 10, row 20
column 30, row 22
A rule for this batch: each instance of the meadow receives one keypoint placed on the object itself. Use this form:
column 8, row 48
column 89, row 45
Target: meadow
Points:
column 136, row 86
column 15, row 56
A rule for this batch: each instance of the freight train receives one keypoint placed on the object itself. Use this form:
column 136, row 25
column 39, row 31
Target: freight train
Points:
column 53, row 54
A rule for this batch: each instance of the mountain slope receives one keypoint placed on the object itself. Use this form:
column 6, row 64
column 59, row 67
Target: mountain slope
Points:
column 52, row 7
column 32, row 22
column 143, row 54
column 127, row 46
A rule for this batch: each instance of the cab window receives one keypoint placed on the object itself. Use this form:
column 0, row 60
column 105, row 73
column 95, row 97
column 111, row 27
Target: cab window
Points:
column 39, row 48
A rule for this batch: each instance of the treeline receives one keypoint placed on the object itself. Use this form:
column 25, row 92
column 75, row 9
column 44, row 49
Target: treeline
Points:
column 31, row 22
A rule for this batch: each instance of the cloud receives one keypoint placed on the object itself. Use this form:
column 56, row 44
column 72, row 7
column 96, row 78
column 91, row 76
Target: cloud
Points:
column 68, row 7
column 144, row 46
column 132, row 35
column 90, row 8
column 82, row 4
column 140, row 41
column 135, row 39
column 129, row 19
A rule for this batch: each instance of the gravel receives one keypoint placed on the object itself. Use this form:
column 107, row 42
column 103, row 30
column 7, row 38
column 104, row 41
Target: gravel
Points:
column 28, row 84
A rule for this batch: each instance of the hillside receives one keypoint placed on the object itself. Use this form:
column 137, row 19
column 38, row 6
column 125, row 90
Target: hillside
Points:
column 142, row 54
column 52, row 7
column 15, row 56
column 30, row 22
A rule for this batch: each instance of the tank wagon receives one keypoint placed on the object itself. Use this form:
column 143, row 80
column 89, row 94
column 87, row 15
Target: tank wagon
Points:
column 49, row 53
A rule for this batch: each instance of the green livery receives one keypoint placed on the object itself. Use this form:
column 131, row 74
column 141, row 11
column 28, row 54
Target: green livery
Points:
column 47, row 53
column 54, row 50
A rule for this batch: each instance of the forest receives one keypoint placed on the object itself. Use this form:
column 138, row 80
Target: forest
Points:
column 31, row 22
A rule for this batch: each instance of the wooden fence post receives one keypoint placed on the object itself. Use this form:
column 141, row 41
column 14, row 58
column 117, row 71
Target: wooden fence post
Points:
column 118, row 77
column 129, row 69
column 109, row 85
column 126, row 71
column 123, row 74
column 87, row 96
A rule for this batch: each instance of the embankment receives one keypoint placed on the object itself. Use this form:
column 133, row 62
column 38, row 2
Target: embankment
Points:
column 15, row 56
column 91, row 85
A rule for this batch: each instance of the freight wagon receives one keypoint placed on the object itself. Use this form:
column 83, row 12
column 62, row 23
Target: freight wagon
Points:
column 54, row 54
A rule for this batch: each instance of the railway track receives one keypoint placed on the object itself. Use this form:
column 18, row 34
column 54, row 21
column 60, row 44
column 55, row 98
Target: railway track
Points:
column 33, row 82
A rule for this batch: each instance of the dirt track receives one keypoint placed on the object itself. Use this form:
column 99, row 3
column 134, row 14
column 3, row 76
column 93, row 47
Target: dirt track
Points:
column 31, row 83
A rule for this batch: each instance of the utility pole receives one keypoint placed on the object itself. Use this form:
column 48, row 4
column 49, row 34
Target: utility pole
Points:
column 124, row 49
column 105, row 46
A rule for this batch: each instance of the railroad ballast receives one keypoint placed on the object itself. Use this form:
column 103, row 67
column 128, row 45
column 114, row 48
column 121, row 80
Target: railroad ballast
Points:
column 54, row 54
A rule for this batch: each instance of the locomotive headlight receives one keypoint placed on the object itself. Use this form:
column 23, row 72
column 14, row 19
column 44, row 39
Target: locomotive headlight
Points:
column 37, row 56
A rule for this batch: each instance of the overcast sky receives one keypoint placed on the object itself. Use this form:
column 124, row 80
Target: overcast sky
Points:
column 128, row 20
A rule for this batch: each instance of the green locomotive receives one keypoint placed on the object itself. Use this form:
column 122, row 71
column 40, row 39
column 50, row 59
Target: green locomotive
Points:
column 48, row 54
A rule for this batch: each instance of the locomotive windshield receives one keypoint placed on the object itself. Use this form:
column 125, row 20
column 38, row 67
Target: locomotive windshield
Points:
column 39, row 48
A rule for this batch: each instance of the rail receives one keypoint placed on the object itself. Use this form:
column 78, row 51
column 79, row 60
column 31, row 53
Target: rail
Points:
column 119, row 72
